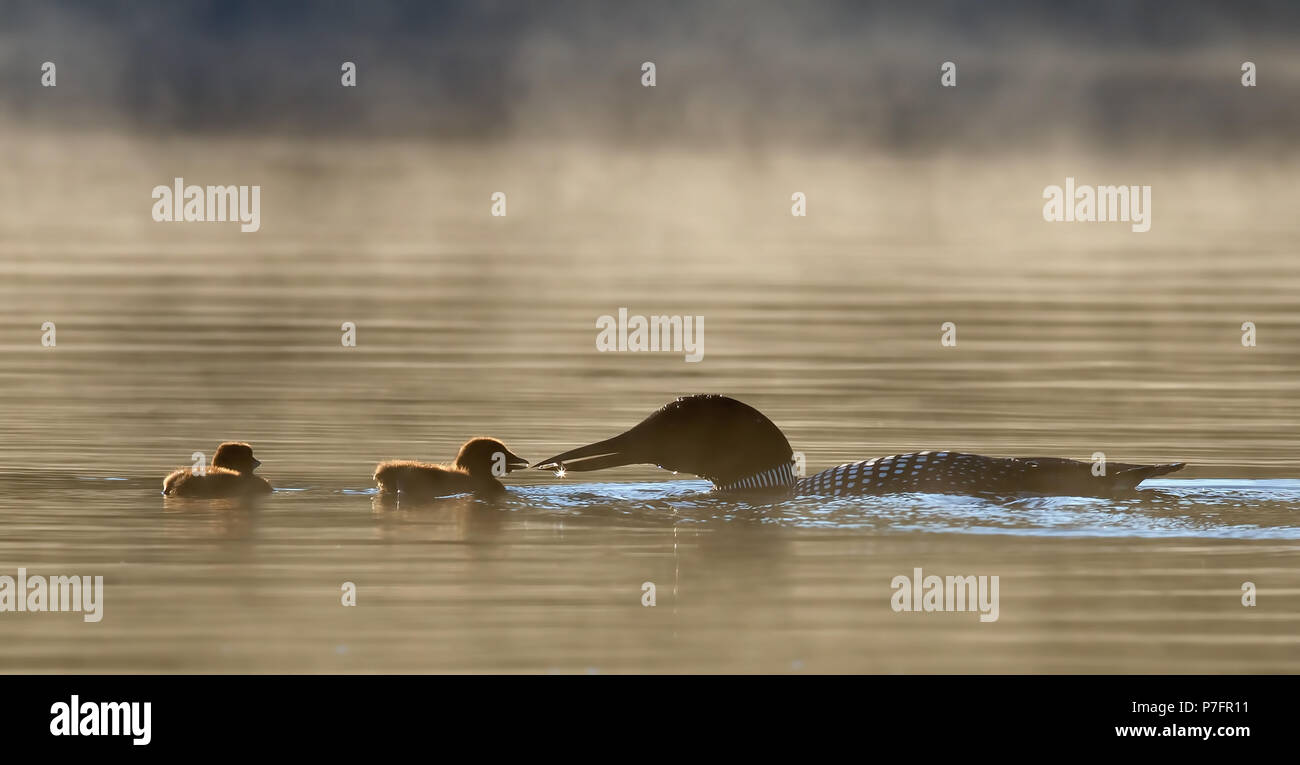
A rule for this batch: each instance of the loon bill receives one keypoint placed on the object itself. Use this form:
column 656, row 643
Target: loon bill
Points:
column 736, row 447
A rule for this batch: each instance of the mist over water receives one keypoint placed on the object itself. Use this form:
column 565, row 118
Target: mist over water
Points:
column 741, row 75
column 924, row 207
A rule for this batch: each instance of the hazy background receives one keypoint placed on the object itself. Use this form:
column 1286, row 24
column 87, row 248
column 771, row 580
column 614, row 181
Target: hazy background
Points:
column 739, row 75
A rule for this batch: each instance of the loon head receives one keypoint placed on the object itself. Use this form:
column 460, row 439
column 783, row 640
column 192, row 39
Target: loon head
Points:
column 236, row 456
column 479, row 455
column 711, row 436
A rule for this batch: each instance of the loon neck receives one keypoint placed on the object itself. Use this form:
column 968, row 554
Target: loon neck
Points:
column 779, row 477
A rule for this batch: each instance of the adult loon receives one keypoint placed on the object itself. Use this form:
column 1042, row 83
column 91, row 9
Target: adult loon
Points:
column 475, row 471
column 231, row 475
column 737, row 448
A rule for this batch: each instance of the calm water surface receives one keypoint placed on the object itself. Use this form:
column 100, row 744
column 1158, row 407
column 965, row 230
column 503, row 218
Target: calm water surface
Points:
column 1072, row 340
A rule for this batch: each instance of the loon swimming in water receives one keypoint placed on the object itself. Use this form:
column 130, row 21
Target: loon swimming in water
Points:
column 475, row 471
column 739, row 449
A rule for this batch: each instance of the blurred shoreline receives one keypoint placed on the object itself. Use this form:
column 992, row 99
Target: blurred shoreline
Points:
column 751, row 76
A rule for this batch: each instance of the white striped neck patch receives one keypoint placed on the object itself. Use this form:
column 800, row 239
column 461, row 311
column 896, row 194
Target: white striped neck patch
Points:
column 779, row 477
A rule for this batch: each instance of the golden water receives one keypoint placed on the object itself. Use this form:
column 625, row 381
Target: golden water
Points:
column 1072, row 339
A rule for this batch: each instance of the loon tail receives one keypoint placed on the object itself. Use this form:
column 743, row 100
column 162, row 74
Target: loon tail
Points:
column 1129, row 476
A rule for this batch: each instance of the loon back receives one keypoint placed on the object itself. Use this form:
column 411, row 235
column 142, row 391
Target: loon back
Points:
column 961, row 473
column 739, row 449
